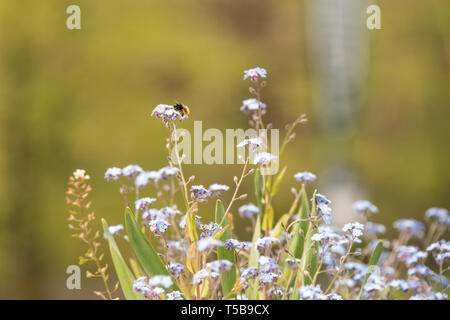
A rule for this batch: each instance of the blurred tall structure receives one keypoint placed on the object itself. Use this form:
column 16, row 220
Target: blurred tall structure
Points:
column 337, row 41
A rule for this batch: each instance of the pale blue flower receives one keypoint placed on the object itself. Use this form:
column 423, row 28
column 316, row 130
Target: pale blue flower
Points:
column 267, row 264
column 312, row 293
column 430, row 296
column 365, row 207
column 263, row 159
column 375, row 283
column 411, row 226
column 131, row 170
column 255, row 73
column 178, row 246
column 440, row 250
column 144, row 177
column 167, row 172
column 305, row 177
column 293, row 262
column 253, row 143
column 440, row 214
column 322, row 204
column 167, row 113
column 199, row 192
column 233, row 244
column 411, row 255
column 277, row 292
column 182, row 221
column 206, row 244
column 401, row 284
column 265, row 243
column 248, row 210
column 202, row 275
column 152, row 214
column 355, row 229
column 420, row 270
column 158, row 226
column 113, row 174
column 267, row 277
column 144, row 203
column 324, row 236
column 175, row 295
column 252, row 104
column 209, row 229
column 216, row 190
column 334, row 296
column 374, row 228
column 320, row 198
column 167, row 212
column 115, row 229
column 249, row 273
column 160, row 281
column 219, row 266
column 175, row 268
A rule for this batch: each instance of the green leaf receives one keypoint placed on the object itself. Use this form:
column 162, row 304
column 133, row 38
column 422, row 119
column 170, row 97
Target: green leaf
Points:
column 190, row 223
column 277, row 182
column 297, row 242
column 228, row 279
column 124, row 274
column 309, row 257
column 258, row 188
column 147, row 255
column 267, row 223
column 372, row 263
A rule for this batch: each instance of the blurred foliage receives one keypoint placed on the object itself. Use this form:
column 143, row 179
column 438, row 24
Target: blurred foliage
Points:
column 82, row 99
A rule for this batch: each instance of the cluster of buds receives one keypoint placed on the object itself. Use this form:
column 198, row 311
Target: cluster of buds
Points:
column 80, row 220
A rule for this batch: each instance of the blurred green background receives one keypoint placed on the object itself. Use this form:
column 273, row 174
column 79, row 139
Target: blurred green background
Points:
column 81, row 99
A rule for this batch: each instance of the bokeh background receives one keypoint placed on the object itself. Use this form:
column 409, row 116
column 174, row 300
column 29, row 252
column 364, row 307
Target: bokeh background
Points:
column 377, row 102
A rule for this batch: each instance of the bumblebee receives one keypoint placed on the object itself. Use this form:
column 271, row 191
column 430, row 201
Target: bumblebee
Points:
column 182, row 109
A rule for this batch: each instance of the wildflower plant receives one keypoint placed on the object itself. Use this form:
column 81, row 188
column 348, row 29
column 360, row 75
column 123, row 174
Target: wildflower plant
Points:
column 299, row 256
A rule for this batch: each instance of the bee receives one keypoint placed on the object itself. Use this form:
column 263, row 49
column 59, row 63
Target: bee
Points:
column 182, row 109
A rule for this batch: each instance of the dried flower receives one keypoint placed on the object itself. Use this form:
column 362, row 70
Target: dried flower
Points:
column 80, row 174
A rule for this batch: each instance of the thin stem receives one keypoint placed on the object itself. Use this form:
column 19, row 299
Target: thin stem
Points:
column 340, row 267
column 243, row 175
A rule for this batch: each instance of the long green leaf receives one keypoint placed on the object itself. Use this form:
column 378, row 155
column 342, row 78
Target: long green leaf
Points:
column 372, row 263
column 277, row 182
column 124, row 274
column 228, row 278
column 310, row 253
column 145, row 252
column 296, row 247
